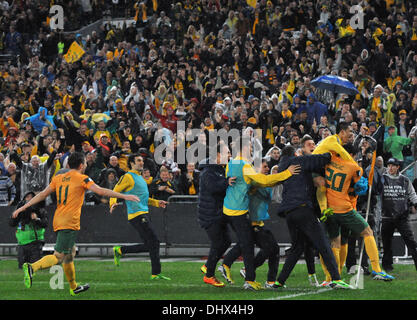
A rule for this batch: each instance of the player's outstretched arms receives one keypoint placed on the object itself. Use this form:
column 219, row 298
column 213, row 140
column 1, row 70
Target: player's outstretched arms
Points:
column 112, row 194
column 36, row 199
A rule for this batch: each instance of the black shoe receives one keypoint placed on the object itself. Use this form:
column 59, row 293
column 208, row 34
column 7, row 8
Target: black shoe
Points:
column 366, row 271
column 388, row 268
column 79, row 289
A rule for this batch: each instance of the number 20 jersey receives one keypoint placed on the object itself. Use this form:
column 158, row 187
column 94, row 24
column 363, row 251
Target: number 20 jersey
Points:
column 340, row 176
column 70, row 188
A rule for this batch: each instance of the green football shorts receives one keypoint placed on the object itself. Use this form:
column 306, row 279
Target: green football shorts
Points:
column 351, row 220
column 65, row 240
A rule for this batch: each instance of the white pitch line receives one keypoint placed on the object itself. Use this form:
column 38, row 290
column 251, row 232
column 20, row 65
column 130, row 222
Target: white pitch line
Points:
column 300, row 294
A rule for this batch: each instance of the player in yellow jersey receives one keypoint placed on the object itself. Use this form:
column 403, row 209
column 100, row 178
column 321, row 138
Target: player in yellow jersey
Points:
column 340, row 175
column 334, row 144
column 70, row 188
column 137, row 214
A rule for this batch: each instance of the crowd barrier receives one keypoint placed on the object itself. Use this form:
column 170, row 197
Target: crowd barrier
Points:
column 175, row 225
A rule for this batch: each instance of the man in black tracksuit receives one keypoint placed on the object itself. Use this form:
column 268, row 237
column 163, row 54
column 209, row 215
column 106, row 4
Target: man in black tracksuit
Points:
column 299, row 213
column 398, row 192
column 213, row 185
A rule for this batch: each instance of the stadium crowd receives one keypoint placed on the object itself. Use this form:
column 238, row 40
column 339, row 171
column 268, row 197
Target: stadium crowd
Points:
column 212, row 64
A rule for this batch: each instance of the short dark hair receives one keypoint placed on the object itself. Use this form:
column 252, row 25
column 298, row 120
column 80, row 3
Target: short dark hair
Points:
column 75, row 160
column 305, row 139
column 342, row 126
column 131, row 159
column 288, row 151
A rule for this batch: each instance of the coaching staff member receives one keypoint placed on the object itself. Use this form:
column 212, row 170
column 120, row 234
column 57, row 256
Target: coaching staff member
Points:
column 213, row 185
column 398, row 192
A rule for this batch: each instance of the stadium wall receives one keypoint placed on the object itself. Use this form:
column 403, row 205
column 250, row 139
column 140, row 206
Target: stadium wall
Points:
column 176, row 226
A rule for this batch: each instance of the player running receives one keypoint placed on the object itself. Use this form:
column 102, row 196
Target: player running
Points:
column 70, row 188
column 137, row 214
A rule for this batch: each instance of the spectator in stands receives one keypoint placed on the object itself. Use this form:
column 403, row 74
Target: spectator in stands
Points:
column 13, row 41
column 203, row 68
column 162, row 188
column 35, row 174
column 15, row 176
column 93, row 169
column 109, row 181
column 114, row 166
column 273, row 156
column 395, row 144
column 190, row 181
column 7, row 191
column 146, row 174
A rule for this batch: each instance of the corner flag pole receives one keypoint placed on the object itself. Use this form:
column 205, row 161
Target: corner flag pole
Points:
column 368, row 205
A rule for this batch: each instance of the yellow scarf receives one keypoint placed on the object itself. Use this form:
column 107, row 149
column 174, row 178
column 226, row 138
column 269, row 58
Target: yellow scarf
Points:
column 286, row 114
column 414, row 36
column 191, row 189
column 270, row 136
column 374, row 107
column 255, row 23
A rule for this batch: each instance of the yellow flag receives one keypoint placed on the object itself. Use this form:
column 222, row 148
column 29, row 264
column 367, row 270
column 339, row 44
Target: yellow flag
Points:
column 252, row 3
column 75, row 52
column 155, row 5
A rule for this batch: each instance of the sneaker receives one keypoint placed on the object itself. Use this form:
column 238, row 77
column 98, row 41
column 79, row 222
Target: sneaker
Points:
column 242, row 273
column 252, row 285
column 225, row 271
column 339, row 284
column 117, row 255
column 278, row 285
column 28, row 271
column 79, row 289
column 382, row 276
column 325, row 284
column 203, row 269
column 159, row 277
column 269, row 285
column 213, row 281
column 313, row 280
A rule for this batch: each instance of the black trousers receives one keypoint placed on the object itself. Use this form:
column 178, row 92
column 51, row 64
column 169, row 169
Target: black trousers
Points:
column 150, row 242
column 304, row 224
column 30, row 252
column 387, row 232
column 241, row 225
column 300, row 242
column 265, row 240
column 219, row 236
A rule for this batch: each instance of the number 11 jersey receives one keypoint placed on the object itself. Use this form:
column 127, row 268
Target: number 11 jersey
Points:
column 70, row 188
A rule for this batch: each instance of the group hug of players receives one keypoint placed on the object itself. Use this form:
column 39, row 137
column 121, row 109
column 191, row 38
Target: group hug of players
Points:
column 327, row 172
column 237, row 196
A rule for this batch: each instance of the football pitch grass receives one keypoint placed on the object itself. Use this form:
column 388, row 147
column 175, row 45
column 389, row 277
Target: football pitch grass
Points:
column 131, row 281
